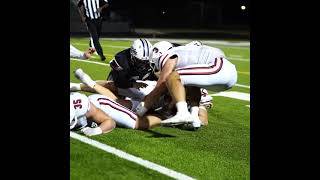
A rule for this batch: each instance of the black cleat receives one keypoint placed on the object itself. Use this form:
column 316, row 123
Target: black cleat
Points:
column 103, row 58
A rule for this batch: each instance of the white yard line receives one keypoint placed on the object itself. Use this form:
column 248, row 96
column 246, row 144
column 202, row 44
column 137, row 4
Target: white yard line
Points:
column 238, row 45
column 235, row 55
column 129, row 157
column 245, row 44
column 88, row 61
column 238, row 59
column 232, row 57
column 244, row 86
column 234, row 95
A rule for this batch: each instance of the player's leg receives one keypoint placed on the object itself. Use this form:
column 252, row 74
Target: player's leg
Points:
column 194, row 96
column 86, row 79
column 123, row 116
column 178, row 94
column 106, row 84
column 219, row 76
column 147, row 122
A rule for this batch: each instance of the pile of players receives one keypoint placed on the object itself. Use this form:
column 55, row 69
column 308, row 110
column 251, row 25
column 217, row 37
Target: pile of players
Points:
column 164, row 84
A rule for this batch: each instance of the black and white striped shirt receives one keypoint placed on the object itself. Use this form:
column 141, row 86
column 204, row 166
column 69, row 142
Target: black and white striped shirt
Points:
column 91, row 7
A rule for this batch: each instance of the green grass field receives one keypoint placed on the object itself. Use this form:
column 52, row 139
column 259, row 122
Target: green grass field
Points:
column 219, row 151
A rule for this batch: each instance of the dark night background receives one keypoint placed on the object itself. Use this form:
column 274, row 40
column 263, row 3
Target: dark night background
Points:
column 184, row 14
column 171, row 18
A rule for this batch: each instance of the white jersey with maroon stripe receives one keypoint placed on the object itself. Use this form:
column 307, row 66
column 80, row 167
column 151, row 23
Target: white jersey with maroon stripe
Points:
column 190, row 55
column 81, row 104
column 202, row 66
column 120, row 114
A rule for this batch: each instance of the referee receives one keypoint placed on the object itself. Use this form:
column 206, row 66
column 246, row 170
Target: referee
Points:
column 90, row 12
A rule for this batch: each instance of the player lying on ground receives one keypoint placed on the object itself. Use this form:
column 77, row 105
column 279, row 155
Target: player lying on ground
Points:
column 122, row 115
column 194, row 66
column 81, row 110
column 76, row 53
column 132, row 104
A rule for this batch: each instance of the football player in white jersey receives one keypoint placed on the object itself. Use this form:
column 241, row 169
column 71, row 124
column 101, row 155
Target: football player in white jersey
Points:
column 195, row 66
column 81, row 110
column 118, row 109
column 76, row 53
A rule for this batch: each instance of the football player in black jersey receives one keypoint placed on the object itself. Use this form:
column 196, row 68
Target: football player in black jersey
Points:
column 132, row 64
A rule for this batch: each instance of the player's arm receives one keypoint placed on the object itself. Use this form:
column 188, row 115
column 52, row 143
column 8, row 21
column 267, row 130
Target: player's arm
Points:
column 76, row 53
column 106, row 124
column 160, row 88
column 96, row 87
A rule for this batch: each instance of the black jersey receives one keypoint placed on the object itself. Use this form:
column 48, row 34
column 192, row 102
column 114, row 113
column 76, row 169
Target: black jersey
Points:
column 124, row 72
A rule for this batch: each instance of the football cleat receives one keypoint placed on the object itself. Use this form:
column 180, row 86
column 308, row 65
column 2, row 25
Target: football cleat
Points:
column 178, row 119
column 84, row 78
column 195, row 125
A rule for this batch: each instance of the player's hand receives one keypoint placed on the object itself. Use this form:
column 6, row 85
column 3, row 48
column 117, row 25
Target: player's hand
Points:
column 88, row 131
column 91, row 50
column 138, row 85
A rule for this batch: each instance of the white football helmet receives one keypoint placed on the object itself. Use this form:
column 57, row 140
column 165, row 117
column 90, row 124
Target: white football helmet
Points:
column 140, row 51
column 78, row 100
column 158, row 50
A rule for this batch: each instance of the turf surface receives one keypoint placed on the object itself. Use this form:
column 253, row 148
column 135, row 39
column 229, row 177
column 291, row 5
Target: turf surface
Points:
column 218, row 151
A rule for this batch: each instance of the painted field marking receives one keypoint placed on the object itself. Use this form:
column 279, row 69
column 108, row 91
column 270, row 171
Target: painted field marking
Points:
column 129, row 157
column 244, row 86
column 238, row 59
column 248, row 105
column 232, row 57
column 242, row 72
column 88, row 61
column 235, row 55
column 234, row 95
column 242, row 44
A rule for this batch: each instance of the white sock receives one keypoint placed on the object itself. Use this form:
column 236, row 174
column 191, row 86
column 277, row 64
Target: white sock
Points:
column 182, row 107
column 195, row 111
column 75, row 87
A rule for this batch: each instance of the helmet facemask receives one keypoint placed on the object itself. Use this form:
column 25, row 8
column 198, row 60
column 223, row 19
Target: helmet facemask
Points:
column 140, row 52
